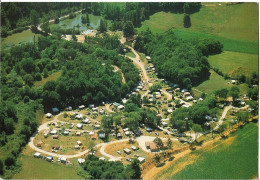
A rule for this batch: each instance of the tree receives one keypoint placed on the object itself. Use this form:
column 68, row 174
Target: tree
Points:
column 103, row 26
column 234, row 93
column 57, row 20
column 9, row 125
column 1, row 167
column 87, row 19
column 157, row 159
column 197, row 129
column 34, row 17
column 91, row 146
column 169, row 143
column 186, row 21
column 128, row 29
column 45, row 73
column 222, row 93
column 28, row 79
column 155, row 87
column 212, row 126
column 137, row 170
column 243, row 116
column 158, row 142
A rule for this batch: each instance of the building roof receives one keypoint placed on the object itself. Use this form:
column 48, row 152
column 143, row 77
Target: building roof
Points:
column 55, row 146
column 94, row 136
column 55, row 109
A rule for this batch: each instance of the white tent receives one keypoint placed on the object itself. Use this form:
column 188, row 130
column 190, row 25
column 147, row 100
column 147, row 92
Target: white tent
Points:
column 79, row 125
column 141, row 159
column 48, row 115
column 37, row 154
column 81, row 160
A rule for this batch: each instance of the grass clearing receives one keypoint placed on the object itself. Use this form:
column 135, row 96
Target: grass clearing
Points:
column 130, row 54
column 232, row 158
column 234, row 63
column 215, row 82
column 33, row 168
column 51, row 77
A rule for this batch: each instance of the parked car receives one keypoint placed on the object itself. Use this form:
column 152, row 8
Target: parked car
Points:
column 156, row 133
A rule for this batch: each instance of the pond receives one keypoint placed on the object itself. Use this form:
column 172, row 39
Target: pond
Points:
column 76, row 23
column 19, row 38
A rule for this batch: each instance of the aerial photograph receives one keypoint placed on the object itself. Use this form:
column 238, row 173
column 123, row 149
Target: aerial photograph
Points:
column 129, row 90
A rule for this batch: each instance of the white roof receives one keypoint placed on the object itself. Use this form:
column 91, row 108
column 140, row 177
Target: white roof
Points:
column 79, row 125
column 126, row 129
column 141, row 159
column 102, row 158
column 81, row 160
column 78, row 142
column 124, row 100
column 82, row 106
column 37, row 154
column 66, row 132
column 77, row 146
column 48, row 114
column 54, row 131
column 94, row 109
column 120, row 107
column 185, row 105
column 148, row 57
column 63, row 159
column 169, row 110
column 91, row 132
column 79, row 116
column 164, row 123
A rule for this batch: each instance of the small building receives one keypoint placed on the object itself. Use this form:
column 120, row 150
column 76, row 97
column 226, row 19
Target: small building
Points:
column 56, row 147
column 79, row 116
column 124, row 100
column 148, row 58
column 81, row 107
column 127, row 151
column 134, row 148
column 81, row 160
column 78, row 133
column 79, row 126
column 69, row 108
column 55, row 137
column 102, row 135
column 37, row 155
column 63, row 159
column 91, row 106
column 141, row 159
column 95, row 109
column 79, row 143
column 169, row 111
column 189, row 98
column 49, row 158
column 77, row 147
column 66, row 133
column 186, row 94
column 148, row 129
column 233, row 81
column 53, row 132
column 86, row 121
column 55, row 110
column 164, row 124
column 120, row 107
column 102, row 158
column 94, row 136
column 127, row 133
column 119, row 135
column 48, row 115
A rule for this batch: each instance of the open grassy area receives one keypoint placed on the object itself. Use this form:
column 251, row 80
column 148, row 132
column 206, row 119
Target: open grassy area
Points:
column 236, row 26
column 234, row 63
column 233, row 158
column 51, row 77
column 130, row 54
column 34, row 168
column 215, row 82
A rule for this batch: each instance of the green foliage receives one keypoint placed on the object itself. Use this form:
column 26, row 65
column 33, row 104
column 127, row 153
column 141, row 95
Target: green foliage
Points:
column 155, row 87
column 186, row 68
column 186, row 21
column 243, row 116
column 99, row 169
column 158, row 142
column 128, row 29
column 222, row 93
column 34, row 17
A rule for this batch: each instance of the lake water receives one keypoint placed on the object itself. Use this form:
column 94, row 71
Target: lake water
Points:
column 19, row 38
column 73, row 23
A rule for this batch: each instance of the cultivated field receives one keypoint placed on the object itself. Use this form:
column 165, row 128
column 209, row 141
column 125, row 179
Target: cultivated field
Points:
column 234, row 63
column 220, row 160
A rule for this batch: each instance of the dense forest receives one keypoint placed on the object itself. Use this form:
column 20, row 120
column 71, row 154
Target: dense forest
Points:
column 87, row 76
column 177, row 60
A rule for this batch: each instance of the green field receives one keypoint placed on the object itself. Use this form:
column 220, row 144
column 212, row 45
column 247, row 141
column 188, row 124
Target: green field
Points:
column 130, row 54
column 234, row 158
column 40, row 169
column 234, row 63
column 214, row 82
column 51, row 77
column 236, row 26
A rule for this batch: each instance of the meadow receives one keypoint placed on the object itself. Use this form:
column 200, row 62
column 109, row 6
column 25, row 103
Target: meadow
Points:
column 51, row 77
column 236, row 26
column 42, row 169
column 232, row 158
column 234, row 63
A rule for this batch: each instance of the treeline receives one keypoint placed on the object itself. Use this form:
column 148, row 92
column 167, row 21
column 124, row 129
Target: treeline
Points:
column 16, row 15
column 100, row 169
column 177, row 60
